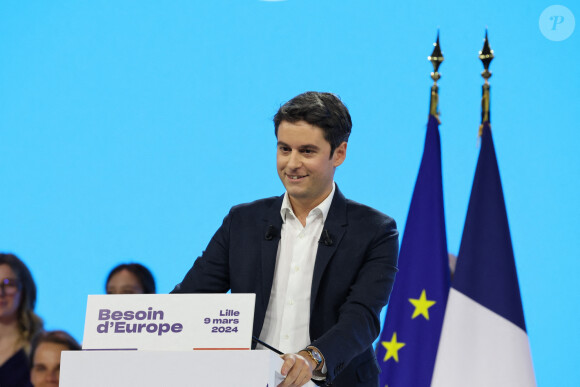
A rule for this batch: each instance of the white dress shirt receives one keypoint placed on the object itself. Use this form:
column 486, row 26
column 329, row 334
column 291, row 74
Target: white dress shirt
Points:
column 286, row 325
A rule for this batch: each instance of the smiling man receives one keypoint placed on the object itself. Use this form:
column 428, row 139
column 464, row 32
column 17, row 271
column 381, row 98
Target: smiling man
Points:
column 306, row 165
column 322, row 266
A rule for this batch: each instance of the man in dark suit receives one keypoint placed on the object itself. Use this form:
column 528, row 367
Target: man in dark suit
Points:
column 322, row 266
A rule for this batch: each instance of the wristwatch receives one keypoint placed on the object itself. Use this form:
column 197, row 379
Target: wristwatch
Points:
column 315, row 355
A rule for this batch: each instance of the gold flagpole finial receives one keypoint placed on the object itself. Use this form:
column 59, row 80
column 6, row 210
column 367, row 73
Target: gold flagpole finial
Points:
column 486, row 56
column 436, row 58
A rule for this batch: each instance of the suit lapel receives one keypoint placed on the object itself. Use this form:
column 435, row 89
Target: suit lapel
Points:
column 335, row 224
column 272, row 227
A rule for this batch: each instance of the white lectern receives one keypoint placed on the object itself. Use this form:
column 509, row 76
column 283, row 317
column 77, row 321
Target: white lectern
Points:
column 170, row 340
column 170, row 368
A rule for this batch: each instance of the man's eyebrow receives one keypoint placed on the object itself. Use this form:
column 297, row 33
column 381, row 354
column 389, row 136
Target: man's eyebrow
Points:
column 301, row 147
column 309, row 146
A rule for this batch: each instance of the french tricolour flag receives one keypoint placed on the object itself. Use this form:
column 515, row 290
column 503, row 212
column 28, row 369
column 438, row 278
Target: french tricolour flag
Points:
column 484, row 340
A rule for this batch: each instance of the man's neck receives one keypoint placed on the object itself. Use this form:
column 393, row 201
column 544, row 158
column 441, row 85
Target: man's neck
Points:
column 302, row 208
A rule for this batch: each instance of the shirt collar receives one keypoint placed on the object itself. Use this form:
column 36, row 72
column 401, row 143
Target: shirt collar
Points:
column 322, row 208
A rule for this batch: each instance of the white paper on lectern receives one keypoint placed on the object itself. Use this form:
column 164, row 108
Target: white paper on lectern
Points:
column 169, row 322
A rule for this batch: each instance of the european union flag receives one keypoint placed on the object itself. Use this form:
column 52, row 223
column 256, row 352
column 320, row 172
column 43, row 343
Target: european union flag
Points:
column 484, row 340
column 408, row 344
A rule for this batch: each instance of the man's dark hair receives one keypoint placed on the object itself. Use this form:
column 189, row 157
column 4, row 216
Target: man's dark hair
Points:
column 324, row 110
column 141, row 272
column 55, row 337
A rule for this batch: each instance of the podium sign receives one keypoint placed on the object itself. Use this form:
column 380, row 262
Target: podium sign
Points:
column 169, row 322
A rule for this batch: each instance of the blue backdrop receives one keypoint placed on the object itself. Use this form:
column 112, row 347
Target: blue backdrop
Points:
column 128, row 129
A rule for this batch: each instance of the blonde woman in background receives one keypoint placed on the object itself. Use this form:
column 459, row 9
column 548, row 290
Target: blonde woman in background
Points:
column 18, row 322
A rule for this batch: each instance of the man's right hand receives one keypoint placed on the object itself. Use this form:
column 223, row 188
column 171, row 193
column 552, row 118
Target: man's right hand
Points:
column 297, row 369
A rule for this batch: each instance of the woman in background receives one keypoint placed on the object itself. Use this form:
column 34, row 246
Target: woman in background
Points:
column 45, row 356
column 130, row 278
column 18, row 322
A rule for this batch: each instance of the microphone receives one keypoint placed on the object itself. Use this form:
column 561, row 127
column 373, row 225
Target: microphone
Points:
column 325, row 238
column 270, row 233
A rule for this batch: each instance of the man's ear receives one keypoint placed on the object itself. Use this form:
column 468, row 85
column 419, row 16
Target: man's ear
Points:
column 339, row 154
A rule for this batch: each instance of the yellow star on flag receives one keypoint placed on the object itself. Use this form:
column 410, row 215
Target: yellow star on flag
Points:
column 422, row 305
column 392, row 348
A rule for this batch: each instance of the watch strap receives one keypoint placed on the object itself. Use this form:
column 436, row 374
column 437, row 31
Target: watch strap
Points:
column 315, row 354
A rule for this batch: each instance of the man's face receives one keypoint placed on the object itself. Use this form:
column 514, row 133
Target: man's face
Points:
column 304, row 163
column 46, row 365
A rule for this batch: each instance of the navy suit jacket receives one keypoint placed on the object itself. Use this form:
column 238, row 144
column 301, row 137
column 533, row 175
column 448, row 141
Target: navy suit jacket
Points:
column 352, row 280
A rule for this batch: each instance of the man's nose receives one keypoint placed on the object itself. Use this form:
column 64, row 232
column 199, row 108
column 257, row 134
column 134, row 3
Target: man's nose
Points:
column 294, row 160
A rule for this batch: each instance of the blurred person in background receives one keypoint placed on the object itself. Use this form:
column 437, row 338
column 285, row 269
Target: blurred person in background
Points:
column 45, row 357
column 130, row 278
column 18, row 322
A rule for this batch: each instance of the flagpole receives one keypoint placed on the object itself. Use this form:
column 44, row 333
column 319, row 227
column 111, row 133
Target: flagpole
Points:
column 410, row 336
column 435, row 58
column 486, row 56
column 484, row 341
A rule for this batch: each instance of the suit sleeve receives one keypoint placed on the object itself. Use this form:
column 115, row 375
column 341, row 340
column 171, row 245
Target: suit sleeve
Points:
column 358, row 323
column 210, row 272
